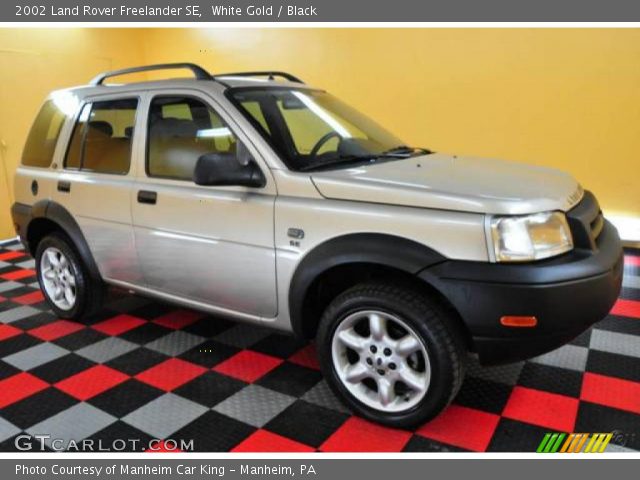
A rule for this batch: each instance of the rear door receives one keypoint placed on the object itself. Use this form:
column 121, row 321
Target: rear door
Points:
column 96, row 180
column 212, row 245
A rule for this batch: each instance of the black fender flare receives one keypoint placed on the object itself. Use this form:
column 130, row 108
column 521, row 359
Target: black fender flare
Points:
column 58, row 214
column 373, row 248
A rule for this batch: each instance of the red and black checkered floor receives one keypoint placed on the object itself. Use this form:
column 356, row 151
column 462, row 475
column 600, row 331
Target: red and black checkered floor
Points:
column 144, row 370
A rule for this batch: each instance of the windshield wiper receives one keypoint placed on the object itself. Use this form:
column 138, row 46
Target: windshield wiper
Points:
column 407, row 150
column 341, row 161
column 401, row 151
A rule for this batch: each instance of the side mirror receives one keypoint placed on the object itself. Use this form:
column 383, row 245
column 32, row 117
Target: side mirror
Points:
column 225, row 169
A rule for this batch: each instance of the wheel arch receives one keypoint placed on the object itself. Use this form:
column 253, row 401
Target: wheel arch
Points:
column 339, row 263
column 47, row 217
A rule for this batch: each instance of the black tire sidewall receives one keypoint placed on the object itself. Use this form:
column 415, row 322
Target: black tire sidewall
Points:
column 442, row 375
column 60, row 242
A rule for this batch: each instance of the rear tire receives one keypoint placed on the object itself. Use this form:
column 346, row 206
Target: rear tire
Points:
column 391, row 353
column 65, row 281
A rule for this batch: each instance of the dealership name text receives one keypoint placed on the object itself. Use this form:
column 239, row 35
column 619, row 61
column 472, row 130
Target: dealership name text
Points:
column 218, row 10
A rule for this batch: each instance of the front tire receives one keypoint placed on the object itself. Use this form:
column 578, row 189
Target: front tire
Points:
column 391, row 353
column 68, row 287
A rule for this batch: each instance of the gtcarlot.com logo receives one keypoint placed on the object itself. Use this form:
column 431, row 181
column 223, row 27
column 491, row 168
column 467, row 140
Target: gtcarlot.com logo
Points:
column 44, row 443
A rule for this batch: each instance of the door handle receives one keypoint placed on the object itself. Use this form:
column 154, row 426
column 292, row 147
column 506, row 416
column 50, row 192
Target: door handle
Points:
column 64, row 186
column 146, row 196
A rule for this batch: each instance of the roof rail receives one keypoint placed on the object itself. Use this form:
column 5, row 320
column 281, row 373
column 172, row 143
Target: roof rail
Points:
column 270, row 74
column 198, row 72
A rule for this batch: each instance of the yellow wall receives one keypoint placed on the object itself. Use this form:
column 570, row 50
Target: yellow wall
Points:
column 568, row 98
column 35, row 61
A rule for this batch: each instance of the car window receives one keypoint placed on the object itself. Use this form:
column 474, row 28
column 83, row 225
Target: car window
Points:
column 309, row 128
column 102, row 137
column 180, row 130
column 43, row 136
column 255, row 111
column 74, row 151
column 306, row 128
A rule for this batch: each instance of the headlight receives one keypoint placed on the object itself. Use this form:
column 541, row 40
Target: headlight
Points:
column 530, row 237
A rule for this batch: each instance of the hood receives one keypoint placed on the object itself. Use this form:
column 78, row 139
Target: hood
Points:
column 454, row 183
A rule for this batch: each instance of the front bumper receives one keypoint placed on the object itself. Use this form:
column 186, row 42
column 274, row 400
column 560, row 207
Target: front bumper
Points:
column 567, row 295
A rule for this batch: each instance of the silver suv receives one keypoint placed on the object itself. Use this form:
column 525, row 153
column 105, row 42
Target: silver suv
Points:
column 256, row 197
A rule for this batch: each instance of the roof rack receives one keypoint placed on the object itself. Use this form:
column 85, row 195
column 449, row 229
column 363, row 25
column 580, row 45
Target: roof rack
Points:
column 198, row 72
column 270, row 74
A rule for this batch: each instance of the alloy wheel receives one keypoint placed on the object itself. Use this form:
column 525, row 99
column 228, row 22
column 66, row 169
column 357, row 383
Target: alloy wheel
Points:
column 58, row 278
column 381, row 360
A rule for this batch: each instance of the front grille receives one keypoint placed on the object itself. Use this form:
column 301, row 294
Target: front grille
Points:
column 586, row 222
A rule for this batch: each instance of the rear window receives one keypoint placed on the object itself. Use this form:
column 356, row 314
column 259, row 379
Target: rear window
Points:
column 43, row 136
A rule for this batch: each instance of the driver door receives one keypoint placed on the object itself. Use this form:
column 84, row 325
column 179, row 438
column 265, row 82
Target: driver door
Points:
column 213, row 245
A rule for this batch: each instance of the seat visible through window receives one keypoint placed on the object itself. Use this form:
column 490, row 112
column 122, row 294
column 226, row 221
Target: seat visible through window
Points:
column 180, row 131
column 104, row 152
column 102, row 137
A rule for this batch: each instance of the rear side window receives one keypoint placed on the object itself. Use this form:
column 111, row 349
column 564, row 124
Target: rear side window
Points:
column 101, row 139
column 43, row 136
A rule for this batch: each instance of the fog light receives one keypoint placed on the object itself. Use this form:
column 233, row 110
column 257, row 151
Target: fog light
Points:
column 519, row 322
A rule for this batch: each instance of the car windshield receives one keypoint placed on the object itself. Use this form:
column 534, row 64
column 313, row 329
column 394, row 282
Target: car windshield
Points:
column 312, row 129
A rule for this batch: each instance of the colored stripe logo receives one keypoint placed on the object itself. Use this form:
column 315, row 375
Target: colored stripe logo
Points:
column 574, row 443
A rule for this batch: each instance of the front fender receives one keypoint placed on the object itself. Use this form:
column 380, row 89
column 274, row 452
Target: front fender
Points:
column 368, row 248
